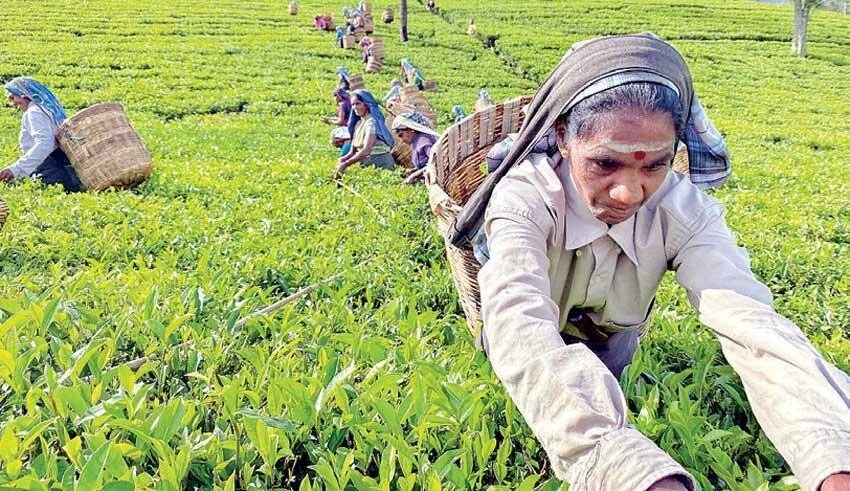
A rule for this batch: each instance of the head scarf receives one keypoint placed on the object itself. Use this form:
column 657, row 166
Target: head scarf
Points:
column 406, row 65
column 582, row 68
column 40, row 95
column 415, row 121
column 383, row 133
column 458, row 112
column 483, row 94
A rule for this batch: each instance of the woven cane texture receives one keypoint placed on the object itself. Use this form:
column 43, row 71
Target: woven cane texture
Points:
column 104, row 148
column 455, row 171
column 373, row 65
column 355, row 82
column 4, row 213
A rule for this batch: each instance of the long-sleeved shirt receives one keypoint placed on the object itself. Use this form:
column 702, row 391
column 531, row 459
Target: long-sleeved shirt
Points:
column 549, row 255
column 37, row 140
column 421, row 149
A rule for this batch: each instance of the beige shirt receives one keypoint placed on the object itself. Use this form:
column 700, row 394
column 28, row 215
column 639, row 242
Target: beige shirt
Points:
column 548, row 254
column 362, row 131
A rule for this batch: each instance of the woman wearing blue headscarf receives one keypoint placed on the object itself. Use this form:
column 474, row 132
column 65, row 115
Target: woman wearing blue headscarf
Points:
column 42, row 116
column 371, row 140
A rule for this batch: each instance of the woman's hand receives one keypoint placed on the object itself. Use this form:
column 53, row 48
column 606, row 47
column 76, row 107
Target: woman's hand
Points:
column 342, row 164
column 415, row 177
column 6, row 175
column 836, row 482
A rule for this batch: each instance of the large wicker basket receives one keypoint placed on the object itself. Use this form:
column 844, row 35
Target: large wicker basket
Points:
column 377, row 49
column 355, row 82
column 4, row 213
column 373, row 65
column 104, row 148
column 454, row 173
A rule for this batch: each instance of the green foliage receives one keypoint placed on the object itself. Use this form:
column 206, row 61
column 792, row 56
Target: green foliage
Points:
column 371, row 382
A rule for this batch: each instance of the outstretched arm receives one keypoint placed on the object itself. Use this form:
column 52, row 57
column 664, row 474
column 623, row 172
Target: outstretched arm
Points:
column 801, row 401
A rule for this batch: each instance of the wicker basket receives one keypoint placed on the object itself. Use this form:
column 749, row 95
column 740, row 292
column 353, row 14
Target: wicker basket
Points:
column 387, row 17
column 359, row 34
column 104, row 148
column 454, row 173
column 377, row 48
column 430, row 85
column 356, row 82
column 367, row 8
column 4, row 213
column 410, row 94
column 293, row 8
column 369, row 24
column 348, row 42
column 373, row 65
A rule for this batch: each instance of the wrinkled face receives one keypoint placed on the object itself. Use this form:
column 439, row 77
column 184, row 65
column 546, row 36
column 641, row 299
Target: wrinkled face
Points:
column 19, row 102
column 622, row 163
column 359, row 107
column 406, row 135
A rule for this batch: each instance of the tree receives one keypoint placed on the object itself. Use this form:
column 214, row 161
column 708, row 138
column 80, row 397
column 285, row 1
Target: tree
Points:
column 802, row 11
column 403, row 20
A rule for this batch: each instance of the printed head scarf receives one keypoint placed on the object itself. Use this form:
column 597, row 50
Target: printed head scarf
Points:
column 415, row 121
column 382, row 132
column 40, row 95
column 578, row 73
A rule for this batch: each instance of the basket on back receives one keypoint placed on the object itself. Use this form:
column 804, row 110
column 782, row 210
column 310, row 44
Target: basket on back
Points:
column 455, row 171
column 104, row 148
column 4, row 213
column 355, row 82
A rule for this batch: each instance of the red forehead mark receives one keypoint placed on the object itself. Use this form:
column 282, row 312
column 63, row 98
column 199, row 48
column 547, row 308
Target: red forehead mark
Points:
column 640, row 155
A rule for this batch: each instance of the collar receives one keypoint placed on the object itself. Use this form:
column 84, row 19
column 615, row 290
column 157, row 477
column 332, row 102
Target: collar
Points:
column 582, row 227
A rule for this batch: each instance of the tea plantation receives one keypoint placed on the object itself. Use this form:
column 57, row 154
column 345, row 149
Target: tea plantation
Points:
column 370, row 382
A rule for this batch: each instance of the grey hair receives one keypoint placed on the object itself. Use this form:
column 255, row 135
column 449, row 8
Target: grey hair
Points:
column 585, row 117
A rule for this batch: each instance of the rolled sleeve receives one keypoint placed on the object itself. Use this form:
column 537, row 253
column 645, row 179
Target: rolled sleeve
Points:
column 566, row 394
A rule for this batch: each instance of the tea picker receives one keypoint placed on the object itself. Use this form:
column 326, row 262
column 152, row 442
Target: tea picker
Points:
column 42, row 116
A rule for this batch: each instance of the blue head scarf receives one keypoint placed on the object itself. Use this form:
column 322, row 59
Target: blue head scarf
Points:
column 40, row 95
column 383, row 133
column 458, row 112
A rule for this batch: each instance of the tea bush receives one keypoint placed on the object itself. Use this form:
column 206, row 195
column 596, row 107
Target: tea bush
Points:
column 371, row 381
